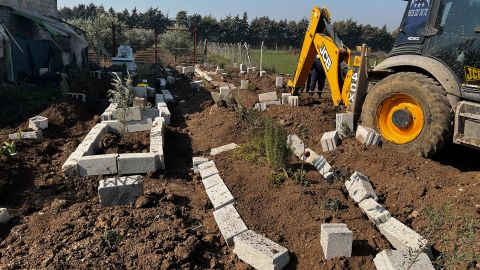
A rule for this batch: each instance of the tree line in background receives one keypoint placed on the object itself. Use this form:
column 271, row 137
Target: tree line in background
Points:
column 137, row 28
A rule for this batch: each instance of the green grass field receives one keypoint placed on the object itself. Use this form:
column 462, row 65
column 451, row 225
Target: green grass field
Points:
column 279, row 61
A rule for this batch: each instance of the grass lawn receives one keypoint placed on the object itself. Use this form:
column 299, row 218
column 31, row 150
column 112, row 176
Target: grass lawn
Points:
column 280, row 61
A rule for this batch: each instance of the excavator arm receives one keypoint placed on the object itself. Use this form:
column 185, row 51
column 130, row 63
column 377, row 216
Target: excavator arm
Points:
column 321, row 41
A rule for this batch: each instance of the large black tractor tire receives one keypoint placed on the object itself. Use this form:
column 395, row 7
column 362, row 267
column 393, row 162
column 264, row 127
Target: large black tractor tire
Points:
column 432, row 99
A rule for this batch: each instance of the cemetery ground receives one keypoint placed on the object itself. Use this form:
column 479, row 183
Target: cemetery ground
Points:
column 57, row 222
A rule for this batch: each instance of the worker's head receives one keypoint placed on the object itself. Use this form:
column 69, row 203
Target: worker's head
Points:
column 326, row 14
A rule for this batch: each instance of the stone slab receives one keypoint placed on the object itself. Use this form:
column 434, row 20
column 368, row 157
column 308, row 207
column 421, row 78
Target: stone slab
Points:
column 137, row 126
column 279, row 82
column 207, row 169
column 98, row 165
column 398, row 260
column 329, row 141
column 198, row 161
column 296, row 144
column 38, row 123
column 360, row 188
column 402, row 237
column 222, row 149
column 4, row 216
column 374, row 211
column 131, row 114
column 150, row 113
column 220, row 196
column 269, row 96
column 27, row 135
column 273, row 102
column 137, row 163
column 293, row 101
column 323, row 167
column 260, row 252
column 120, row 190
column 229, row 222
column 336, row 241
column 212, row 181
column 368, row 136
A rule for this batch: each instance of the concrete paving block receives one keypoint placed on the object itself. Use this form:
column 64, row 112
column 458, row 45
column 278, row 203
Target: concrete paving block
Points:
column 150, row 113
column 140, row 91
column 137, row 163
column 296, row 144
column 310, row 156
column 336, row 241
column 108, row 114
column 330, row 140
column 398, row 260
column 98, row 165
column 212, row 181
column 4, row 216
column 38, row 123
column 323, row 167
column 293, row 101
column 279, row 81
column 285, row 98
column 207, row 169
column 225, row 148
column 165, row 113
column 368, row 136
column 131, row 114
column 120, row 190
column 270, row 96
column 261, row 107
column 374, row 211
column 273, row 102
column 345, row 124
column 198, row 161
column 168, row 96
column 159, row 98
column 140, row 102
column 244, row 85
column 360, row 188
column 402, row 237
column 27, row 135
column 229, row 222
column 219, row 195
column 260, row 252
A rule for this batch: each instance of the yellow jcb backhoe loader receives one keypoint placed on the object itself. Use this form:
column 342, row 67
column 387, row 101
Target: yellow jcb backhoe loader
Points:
column 428, row 86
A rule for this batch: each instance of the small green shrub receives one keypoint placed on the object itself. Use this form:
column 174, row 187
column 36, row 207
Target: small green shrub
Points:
column 299, row 178
column 331, row 204
column 123, row 95
column 112, row 238
column 251, row 151
column 275, row 141
column 278, row 178
column 8, row 149
column 248, row 118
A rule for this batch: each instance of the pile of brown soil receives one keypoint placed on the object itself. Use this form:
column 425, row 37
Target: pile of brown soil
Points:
column 135, row 142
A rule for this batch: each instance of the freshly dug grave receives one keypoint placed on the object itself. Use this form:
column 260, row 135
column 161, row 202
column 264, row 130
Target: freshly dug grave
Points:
column 135, row 142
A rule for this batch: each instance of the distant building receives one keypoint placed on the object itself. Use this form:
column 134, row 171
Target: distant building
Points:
column 34, row 42
column 45, row 7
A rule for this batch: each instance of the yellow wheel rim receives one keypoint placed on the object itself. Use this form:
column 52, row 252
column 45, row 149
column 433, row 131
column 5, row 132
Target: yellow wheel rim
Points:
column 400, row 119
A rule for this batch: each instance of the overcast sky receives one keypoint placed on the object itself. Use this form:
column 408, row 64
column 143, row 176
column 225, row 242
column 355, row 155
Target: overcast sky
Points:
column 375, row 12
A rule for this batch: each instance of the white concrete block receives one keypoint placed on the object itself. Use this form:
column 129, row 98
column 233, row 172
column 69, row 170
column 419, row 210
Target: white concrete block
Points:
column 345, row 124
column 402, row 237
column 140, row 91
column 374, row 211
column 270, row 96
column 224, row 90
column 120, row 190
column 140, row 102
column 159, row 98
column 285, row 98
column 108, row 114
column 27, row 135
column 293, row 101
column 336, row 241
column 279, row 81
column 368, row 136
column 163, row 83
column 130, row 114
column 4, row 216
column 38, row 123
column 219, row 195
column 212, row 181
column 198, row 161
column 225, row 148
column 168, row 96
column 244, row 85
column 243, row 67
column 263, row 73
column 330, row 140
column 310, row 156
column 260, row 252
column 207, row 169
column 398, row 260
column 137, row 163
column 273, row 102
column 360, row 188
column 261, row 107
column 323, row 167
column 150, row 113
column 165, row 113
column 142, row 125
column 98, row 165
column 229, row 222
column 296, row 144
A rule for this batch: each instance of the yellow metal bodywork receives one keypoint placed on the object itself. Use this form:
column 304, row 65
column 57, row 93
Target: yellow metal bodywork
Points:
column 317, row 42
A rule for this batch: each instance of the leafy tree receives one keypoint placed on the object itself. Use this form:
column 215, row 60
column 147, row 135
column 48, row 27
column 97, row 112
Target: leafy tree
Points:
column 178, row 43
column 182, row 19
